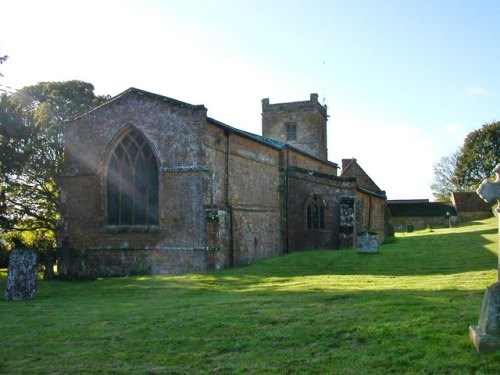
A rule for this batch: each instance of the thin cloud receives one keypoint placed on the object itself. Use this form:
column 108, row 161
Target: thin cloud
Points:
column 476, row 90
column 457, row 132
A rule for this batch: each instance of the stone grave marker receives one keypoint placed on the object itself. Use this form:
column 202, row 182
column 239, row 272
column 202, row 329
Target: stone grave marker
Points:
column 21, row 276
column 347, row 222
column 367, row 243
column 486, row 335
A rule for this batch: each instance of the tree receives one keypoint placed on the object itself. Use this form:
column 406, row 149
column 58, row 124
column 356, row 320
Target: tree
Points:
column 445, row 181
column 31, row 152
column 478, row 156
column 2, row 60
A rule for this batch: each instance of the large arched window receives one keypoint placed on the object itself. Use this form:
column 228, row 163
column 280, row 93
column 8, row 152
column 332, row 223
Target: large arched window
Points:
column 132, row 183
column 315, row 208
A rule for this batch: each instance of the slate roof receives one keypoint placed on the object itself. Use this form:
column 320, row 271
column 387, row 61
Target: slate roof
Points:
column 412, row 209
column 469, row 202
column 258, row 138
column 261, row 139
column 278, row 145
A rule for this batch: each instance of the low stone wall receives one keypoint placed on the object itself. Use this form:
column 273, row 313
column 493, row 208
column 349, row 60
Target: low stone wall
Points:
column 474, row 215
column 419, row 222
column 91, row 263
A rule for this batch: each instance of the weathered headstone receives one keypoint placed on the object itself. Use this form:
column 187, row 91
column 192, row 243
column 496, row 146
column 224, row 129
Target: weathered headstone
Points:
column 367, row 243
column 347, row 222
column 486, row 335
column 21, row 276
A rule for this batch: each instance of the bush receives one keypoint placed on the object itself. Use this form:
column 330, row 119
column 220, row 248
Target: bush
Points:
column 4, row 254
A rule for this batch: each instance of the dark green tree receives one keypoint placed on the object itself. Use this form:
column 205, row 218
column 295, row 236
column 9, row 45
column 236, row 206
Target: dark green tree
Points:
column 478, row 156
column 31, row 151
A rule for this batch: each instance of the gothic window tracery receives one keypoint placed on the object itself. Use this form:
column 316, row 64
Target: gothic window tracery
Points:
column 132, row 183
column 315, row 211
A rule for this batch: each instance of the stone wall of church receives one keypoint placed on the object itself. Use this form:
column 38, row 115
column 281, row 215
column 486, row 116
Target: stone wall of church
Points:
column 301, row 184
column 245, row 179
column 374, row 214
column 254, row 198
column 300, row 160
column 225, row 197
column 308, row 119
column 91, row 247
column 218, row 216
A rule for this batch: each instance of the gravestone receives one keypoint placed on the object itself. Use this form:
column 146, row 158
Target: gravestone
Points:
column 486, row 335
column 367, row 243
column 21, row 276
column 347, row 229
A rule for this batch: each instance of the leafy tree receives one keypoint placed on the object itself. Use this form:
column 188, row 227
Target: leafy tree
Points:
column 445, row 181
column 2, row 60
column 31, row 152
column 478, row 156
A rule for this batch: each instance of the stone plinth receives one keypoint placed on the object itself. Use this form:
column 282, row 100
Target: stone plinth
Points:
column 486, row 335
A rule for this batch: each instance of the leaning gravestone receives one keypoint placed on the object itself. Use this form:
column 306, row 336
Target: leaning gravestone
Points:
column 486, row 335
column 21, row 277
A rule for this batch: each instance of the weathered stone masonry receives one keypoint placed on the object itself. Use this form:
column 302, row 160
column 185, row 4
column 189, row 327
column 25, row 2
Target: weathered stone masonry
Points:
column 225, row 197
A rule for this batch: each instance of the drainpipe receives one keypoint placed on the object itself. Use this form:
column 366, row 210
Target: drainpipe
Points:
column 228, row 133
column 287, row 197
column 369, row 212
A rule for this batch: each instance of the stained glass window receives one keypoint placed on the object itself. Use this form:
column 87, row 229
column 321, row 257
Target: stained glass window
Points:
column 132, row 183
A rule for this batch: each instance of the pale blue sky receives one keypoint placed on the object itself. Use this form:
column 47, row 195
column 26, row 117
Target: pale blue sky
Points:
column 404, row 81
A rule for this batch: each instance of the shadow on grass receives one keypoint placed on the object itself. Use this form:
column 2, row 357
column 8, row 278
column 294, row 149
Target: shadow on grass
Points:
column 432, row 254
column 136, row 323
column 424, row 255
column 347, row 331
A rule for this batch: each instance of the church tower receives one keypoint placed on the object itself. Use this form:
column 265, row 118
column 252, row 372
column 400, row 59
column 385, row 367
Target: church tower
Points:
column 300, row 124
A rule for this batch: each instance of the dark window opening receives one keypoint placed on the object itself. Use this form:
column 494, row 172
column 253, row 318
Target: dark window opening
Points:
column 291, row 132
column 132, row 183
column 315, row 212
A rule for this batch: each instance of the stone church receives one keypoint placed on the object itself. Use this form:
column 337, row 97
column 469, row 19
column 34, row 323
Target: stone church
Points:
column 151, row 185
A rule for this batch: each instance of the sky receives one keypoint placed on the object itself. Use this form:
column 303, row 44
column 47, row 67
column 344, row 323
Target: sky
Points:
column 404, row 81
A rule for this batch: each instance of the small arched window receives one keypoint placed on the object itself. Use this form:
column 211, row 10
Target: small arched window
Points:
column 132, row 183
column 315, row 208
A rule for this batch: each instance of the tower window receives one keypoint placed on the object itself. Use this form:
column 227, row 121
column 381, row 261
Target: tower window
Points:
column 291, row 131
column 315, row 212
column 132, row 183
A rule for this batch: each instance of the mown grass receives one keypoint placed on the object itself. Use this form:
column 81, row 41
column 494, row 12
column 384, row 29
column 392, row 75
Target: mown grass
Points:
column 404, row 310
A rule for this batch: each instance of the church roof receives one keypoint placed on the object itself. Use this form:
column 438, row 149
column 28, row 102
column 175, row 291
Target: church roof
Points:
column 412, row 209
column 268, row 141
column 258, row 138
column 278, row 145
column 468, row 201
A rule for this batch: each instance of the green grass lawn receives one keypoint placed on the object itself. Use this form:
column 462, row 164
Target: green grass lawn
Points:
column 404, row 310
